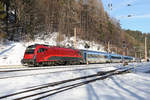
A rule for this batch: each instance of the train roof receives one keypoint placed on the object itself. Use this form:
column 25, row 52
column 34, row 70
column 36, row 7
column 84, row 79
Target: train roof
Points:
column 104, row 53
column 99, row 52
column 50, row 46
column 128, row 56
column 93, row 52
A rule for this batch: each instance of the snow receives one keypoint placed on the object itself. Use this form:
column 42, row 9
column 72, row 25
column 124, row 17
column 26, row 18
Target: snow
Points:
column 11, row 54
column 130, row 86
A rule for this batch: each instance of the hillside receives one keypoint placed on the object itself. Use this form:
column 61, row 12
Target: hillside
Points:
column 137, row 40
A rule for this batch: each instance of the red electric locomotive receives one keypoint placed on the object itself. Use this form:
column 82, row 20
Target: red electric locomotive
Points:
column 50, row 55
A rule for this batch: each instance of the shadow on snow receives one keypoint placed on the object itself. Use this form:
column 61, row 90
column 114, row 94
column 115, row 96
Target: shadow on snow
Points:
column 91, row 93
column 7, row 49
column 127, row 90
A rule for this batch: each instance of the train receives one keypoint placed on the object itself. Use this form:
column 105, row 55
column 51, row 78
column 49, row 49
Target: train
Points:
column 42, row 55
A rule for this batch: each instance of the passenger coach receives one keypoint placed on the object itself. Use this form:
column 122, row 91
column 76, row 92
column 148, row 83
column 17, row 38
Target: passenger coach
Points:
column 95, row 56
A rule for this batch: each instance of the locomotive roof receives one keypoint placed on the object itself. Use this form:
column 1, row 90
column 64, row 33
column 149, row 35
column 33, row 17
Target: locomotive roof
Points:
column 50, row 46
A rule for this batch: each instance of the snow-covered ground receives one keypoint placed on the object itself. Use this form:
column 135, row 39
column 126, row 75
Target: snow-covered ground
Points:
column 130, row 86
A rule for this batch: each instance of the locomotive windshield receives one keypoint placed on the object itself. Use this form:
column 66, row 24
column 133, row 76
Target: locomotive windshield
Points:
column 30, row 49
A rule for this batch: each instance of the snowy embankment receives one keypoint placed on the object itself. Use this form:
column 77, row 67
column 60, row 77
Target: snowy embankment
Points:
column 12, row 52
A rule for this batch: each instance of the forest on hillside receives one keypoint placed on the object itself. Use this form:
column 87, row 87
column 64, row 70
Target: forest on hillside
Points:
column 24, row 19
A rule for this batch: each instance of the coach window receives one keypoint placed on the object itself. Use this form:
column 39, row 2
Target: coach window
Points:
column 99, row 56
column 96, row 56
column 105, row 56
column 92, row 56
column 89, row 55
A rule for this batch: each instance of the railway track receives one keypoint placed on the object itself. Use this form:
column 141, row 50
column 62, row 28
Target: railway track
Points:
column 52, row 72
column 17, row 69
column 45, row 90
column 11, row 66
column 29, row 69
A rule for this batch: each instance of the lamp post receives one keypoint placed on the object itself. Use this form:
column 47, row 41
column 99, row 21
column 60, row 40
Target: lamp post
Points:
column 124, row 47
column 135, row 52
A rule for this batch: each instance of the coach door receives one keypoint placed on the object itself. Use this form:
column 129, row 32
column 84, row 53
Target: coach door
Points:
column 85, row 56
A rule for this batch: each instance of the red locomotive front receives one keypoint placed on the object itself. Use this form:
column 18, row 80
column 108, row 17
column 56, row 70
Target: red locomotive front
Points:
column 29, row 55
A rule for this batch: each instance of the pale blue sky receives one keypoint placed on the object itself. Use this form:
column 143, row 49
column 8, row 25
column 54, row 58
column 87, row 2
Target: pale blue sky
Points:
column 139, row 9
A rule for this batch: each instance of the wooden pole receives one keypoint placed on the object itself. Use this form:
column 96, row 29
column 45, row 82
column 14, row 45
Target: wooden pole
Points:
column 108, row 47
column 75, row 38
column 124, row 52
column 135, row 52
column 127, row 52
column 116, row 50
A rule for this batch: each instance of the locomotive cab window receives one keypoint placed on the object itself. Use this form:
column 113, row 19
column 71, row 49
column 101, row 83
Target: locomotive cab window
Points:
column 30, row 50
